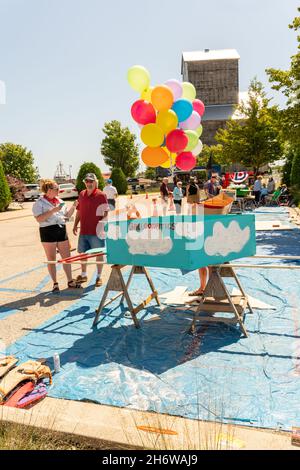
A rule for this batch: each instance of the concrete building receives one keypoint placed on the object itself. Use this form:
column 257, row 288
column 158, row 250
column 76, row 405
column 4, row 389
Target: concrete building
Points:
column 215, row 75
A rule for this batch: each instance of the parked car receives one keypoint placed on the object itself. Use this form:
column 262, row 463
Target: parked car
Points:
column 134, row 184
column 32, row 192
column 67, row 191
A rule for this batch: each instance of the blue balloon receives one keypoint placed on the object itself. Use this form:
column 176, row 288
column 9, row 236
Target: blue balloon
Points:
column 183, row 109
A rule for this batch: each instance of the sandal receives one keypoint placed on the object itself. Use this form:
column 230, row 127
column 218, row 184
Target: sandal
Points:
column 55, row 287
column 196, row 293
column 74, row 284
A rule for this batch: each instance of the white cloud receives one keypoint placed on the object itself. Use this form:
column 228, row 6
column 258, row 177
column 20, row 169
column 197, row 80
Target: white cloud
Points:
column 114, row 232
column 190, row 230
column 148, row 242
column 226, row 240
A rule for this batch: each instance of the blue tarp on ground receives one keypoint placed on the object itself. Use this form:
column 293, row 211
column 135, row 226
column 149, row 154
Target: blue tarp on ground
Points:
column 215, row 374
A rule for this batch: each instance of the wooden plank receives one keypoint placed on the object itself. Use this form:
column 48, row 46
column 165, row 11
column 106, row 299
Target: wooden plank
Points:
column 145, row 302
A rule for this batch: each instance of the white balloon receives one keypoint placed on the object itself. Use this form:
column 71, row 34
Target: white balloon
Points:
column 198, row 148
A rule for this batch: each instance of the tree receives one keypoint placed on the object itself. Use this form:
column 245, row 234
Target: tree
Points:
column 18, row 162
column 288, row 82
column 89, row 167
column 295, row 170
column 287, row 168
column 5, row 196
column 119, row 180
column 119, row 148
column 252, row 140
column 150, row 173
column 15, row 185
column 215, row 152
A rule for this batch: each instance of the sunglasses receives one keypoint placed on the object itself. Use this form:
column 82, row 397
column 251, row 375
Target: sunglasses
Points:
column 89, row 181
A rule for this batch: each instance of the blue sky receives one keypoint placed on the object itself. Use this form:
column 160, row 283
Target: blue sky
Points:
column 64, row 62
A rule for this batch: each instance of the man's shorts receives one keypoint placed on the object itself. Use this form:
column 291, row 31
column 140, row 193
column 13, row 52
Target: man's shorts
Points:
column 88, row 242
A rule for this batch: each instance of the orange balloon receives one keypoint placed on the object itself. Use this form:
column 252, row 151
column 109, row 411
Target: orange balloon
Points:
column 154, row 156
column 162, row 98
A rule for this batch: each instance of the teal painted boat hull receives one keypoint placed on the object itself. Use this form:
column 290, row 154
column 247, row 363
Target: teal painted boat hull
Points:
column 183, row 242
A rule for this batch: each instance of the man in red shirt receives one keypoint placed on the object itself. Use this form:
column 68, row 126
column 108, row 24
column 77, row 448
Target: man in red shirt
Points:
column 92, row 212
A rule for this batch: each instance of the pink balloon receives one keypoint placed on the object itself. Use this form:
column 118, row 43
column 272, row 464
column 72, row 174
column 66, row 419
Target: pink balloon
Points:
column 176, row 88
column 186, row 161
column 193, row 122
column 143, row 112
column 176, row 141
column 198, row 106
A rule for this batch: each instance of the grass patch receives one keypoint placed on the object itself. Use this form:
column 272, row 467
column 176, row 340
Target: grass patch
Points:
column 22, row 437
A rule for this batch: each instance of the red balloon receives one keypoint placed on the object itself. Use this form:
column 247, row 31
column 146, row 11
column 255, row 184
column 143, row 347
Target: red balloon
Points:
column 176, row 141
column 198, row 106
column 143, row 112
column 186, row 161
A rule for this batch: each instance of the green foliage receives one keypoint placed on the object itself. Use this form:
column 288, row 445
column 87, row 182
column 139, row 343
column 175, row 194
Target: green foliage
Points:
column 288, row 82
column 287, row 168
column 89, row 167
column 150, row 173
column 119, row 180
column 295, row 171
column 119, row 148
column 5, row 196
column 18, row 162
column 252, row 140
column 217, row 154
column 15, row 185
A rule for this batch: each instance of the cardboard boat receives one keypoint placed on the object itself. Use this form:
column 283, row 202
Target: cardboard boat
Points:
column 181, row 241
column 220, row 204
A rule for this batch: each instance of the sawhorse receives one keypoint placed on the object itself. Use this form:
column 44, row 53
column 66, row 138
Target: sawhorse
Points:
column 216, row 298
column 116, row 283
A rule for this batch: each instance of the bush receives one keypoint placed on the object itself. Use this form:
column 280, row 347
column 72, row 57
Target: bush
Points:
column 295, row 176
column 295, row 170
column 15, row 185
column 5, row 197
column 119, row 180
column 89, row 167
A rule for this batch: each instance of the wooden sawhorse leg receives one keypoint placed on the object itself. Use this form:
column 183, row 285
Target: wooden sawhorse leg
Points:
column 116, row 283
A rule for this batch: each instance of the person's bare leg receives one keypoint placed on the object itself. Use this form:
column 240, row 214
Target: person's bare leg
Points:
column 83, row 268
column 99, row 266
column 64, row 250
column 203, row 276
column 165, row 209
column 50, row 250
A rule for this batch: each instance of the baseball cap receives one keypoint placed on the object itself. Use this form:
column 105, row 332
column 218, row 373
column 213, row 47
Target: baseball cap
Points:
column 91, row 176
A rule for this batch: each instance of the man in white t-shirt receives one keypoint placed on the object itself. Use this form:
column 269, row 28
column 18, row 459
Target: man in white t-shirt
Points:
column 111, row 193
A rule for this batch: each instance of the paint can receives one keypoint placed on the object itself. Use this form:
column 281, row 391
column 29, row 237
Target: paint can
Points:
column 56, row 361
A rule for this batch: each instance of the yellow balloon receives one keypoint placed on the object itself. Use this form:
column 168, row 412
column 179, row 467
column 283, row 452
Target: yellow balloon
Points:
column 138, row 78
column 171, row 159
column 188, row 91
column 167, row 120
column 154, row 157
column 152, row 135
column 146, row 94
column 162, row 97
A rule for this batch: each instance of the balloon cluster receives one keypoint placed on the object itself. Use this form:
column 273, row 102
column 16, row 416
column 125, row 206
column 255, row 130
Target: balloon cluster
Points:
column 169, row 116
